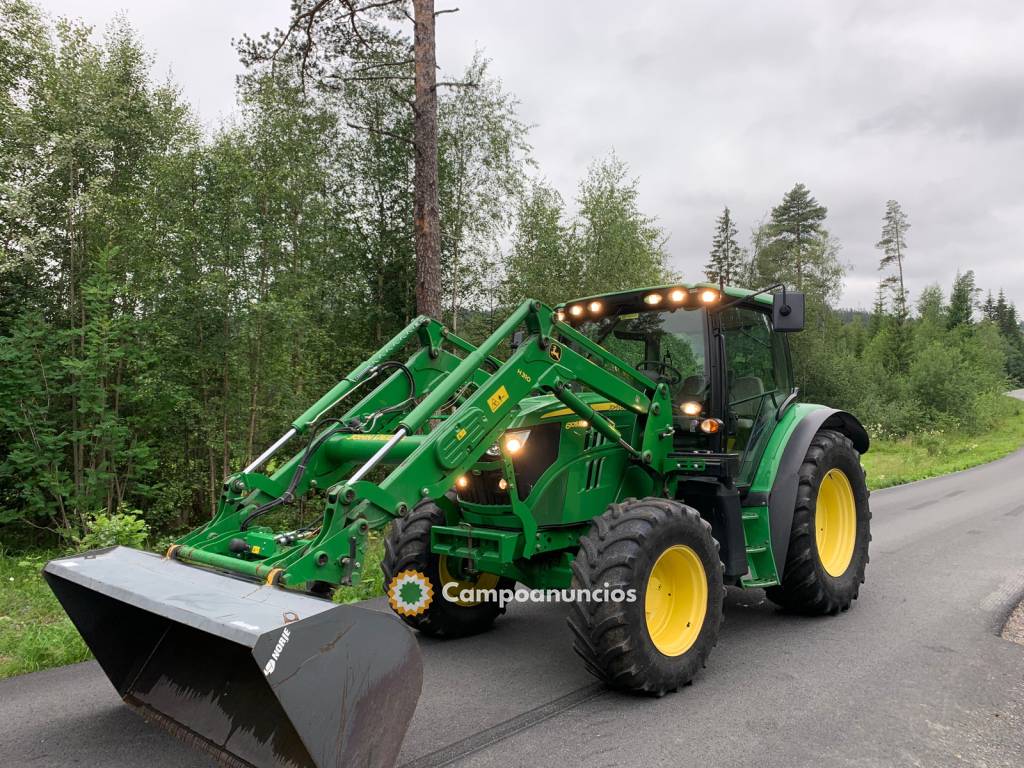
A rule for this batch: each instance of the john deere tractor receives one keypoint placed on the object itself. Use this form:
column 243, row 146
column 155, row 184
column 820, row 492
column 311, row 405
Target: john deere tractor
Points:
column 642, row 449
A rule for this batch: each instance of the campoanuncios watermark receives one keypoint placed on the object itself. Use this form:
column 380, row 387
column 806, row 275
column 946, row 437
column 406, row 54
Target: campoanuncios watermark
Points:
column 411, row 593
column 456, row 592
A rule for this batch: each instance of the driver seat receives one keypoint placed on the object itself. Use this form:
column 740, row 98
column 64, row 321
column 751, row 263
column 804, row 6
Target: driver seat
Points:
column 744, row 387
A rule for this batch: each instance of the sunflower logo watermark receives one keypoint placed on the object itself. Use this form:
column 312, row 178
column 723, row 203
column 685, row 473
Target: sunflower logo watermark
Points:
column 410, row 593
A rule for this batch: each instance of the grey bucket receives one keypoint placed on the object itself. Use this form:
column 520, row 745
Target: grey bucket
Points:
column 256, row 675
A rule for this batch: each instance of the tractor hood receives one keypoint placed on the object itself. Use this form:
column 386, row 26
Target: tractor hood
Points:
column 548, row 408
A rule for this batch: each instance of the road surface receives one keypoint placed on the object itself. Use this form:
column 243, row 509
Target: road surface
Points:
column 915, row 674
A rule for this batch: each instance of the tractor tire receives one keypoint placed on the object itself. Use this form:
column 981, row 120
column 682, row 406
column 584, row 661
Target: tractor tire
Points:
column 828, row 544
column 407, row 548
column 658, row 641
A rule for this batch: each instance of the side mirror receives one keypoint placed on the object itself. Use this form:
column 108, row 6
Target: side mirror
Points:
column 517, row 340
column 788, row 311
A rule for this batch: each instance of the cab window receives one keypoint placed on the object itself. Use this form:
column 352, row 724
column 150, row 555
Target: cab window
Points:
column 667, row 346
column 757, row 380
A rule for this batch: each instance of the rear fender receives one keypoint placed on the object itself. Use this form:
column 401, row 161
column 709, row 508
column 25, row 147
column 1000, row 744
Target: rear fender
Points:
column 782, row 498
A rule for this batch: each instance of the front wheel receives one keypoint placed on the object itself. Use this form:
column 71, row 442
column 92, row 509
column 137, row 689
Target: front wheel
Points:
column 660, row 556
column 828, row 543
column 407, row 551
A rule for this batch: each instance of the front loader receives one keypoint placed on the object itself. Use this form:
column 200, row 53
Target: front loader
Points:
column 640, row 449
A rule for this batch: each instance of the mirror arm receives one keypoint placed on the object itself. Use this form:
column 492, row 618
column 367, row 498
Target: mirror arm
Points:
column 741, row 299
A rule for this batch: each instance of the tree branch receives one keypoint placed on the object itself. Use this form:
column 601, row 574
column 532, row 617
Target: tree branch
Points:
column 366, row 65
column 382, row 132
column 349, row 78
column 457, row 84
column 445, row 10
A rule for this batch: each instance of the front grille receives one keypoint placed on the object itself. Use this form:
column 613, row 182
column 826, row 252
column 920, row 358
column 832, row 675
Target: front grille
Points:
column 483, row 488
column 593, row 439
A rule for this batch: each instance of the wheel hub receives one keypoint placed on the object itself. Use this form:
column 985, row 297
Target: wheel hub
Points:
column 676, row 600
column 835, row 522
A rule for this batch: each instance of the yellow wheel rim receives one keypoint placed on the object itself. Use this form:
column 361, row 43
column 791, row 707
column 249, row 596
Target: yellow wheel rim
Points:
column 835, row 522
column 483, row 581
column 676, row 600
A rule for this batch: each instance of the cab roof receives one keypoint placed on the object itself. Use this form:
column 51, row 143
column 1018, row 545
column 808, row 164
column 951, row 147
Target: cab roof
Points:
column 670, row 296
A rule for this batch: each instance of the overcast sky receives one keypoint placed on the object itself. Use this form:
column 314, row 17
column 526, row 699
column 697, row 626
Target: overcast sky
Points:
column 727, row 103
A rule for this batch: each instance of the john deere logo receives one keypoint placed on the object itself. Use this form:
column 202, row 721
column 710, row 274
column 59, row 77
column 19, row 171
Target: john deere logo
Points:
column 410, row 593
column 555, row 352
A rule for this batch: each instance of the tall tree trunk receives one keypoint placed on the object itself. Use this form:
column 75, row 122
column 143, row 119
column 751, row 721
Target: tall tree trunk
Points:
column 425, row 205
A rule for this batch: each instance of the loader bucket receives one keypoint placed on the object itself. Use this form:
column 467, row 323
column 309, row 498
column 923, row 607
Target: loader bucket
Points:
column 257, row 675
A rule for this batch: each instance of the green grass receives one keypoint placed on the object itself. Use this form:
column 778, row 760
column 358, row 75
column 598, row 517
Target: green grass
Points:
column 35, row 634
column 34, row 631
column 372, row 584
column 894, row 462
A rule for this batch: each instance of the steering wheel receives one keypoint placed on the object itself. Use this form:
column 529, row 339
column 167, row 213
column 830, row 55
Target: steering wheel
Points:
column 663, row 372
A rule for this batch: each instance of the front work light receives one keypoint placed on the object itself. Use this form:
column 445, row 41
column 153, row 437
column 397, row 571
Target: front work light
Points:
column 652, row 299
column 691, row 408
column 514, row 441
column 708, row 296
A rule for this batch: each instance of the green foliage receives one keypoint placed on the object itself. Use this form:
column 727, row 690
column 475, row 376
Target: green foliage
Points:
column 542, row 263
column 170, row 300
column 126, row 529
column 902, row 375
column 610, row 245
column 893, row 459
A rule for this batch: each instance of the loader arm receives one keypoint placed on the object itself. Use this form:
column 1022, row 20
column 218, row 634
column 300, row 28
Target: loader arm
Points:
column 423, row 448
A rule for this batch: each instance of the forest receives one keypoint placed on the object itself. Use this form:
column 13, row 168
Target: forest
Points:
column 171, row 295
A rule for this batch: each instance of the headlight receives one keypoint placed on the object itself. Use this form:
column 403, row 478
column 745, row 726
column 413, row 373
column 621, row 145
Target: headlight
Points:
column 691, row 408
column 514, row 441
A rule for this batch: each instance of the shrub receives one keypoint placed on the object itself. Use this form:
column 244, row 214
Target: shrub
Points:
column 127, row 529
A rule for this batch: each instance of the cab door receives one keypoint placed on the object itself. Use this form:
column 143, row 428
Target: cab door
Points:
column 758, row 379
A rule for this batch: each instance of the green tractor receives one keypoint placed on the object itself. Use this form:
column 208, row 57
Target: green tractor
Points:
column 635, row 452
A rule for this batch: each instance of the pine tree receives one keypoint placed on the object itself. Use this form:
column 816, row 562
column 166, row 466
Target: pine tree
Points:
column 798, row 250
column 877, row 311
column 988, row 308
column 796, row 227
column 727, row 256
column 893, row 245
column 961, row 300
column 1004, row 315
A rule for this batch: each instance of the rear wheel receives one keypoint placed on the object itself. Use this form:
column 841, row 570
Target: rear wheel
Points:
column 407, row 550
column 828, row 545
column 662, row 557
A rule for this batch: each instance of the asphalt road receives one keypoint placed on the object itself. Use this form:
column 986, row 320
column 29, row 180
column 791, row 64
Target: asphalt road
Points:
column 914, row 674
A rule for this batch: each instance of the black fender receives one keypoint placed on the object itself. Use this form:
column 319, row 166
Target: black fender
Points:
column 782, row 499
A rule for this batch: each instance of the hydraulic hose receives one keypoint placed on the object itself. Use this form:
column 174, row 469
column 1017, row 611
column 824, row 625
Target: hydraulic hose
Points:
column 317, row 438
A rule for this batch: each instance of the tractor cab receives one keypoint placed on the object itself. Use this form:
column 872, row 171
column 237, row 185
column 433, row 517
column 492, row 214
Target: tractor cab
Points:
column 722, row 353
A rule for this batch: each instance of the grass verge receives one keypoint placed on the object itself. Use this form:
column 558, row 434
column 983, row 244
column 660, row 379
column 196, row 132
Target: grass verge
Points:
column 34, row 631
column 894, row 462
